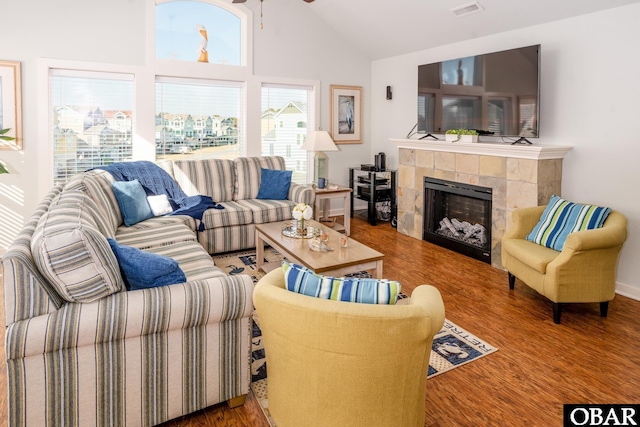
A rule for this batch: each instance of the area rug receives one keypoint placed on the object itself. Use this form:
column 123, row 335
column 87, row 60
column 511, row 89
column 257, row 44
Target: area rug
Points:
column 244, row 262
column 452, row 346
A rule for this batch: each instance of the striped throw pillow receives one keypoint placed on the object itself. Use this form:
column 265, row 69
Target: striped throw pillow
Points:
column 72, row 253
column 561, row 217
column 369, row 291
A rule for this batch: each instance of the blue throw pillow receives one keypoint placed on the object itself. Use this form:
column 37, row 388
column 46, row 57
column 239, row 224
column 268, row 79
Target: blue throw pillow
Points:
column 561, row 217
column 274, row 184
column 141, row 270
column 132, row 201
column 351, row 289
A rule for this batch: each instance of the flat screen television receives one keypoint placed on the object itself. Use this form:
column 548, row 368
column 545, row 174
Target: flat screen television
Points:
column 496, row 93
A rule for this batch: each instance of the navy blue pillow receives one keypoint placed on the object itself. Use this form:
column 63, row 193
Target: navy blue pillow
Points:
column 132, row 201
column 274, row 184
column 141, row 270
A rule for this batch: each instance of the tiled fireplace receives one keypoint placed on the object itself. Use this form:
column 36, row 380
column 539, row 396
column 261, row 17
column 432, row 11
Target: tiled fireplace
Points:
column 518, row 175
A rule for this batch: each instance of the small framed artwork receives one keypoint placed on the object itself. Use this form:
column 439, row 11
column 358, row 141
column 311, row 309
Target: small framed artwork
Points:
column 346, row 114
column 10, row 106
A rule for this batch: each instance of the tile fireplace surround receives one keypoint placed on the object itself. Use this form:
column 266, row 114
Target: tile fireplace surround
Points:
column 519, row 176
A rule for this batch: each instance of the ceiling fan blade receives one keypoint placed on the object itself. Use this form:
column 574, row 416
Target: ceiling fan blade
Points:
column 308, row 1
column 238, row 1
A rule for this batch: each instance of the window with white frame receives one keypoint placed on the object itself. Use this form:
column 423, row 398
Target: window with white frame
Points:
column 91, row 116
column 197, row 31
column 198, row 118
column 291, row 107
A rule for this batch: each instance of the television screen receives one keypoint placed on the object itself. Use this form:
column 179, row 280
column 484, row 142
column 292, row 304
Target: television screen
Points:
column 495, row 93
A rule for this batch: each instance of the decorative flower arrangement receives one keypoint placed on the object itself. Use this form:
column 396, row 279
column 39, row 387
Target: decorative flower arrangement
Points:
column 302, row 212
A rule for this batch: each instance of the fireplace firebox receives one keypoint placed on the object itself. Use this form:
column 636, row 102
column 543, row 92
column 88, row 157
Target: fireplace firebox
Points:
column 457, row 216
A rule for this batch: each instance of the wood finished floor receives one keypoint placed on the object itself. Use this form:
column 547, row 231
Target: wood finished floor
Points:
column 539, row 365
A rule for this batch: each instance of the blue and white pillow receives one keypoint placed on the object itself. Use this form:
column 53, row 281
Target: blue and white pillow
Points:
column 364, row 290
column 560, row 218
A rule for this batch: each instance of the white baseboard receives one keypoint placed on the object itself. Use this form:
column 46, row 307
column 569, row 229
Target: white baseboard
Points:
column 628, row 291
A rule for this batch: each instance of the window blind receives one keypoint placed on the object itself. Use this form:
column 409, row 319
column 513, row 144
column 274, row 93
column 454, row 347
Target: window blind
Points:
column 199, row 117
column 286, row 120
column 91, row 116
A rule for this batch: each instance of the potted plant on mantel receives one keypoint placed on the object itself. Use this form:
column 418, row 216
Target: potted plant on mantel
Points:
column 462, row 135
column 3, row 137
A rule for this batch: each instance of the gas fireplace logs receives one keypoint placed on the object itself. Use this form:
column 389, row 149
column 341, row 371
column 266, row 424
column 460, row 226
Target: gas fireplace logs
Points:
column 462, row 230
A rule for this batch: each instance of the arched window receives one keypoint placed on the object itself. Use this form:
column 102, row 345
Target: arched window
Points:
column 197, row 31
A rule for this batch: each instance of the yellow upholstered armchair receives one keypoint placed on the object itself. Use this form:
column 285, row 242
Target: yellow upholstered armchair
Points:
column 584, row 271
column 333, row 363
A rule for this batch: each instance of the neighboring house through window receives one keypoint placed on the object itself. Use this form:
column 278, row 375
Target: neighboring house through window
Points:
column 290, row 107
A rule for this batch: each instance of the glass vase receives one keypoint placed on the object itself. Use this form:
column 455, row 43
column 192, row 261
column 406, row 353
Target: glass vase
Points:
column 301, row 230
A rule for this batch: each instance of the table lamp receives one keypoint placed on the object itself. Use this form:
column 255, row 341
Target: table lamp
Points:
column 320, row 141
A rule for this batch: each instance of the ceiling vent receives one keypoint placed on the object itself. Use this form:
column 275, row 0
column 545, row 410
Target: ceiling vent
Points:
column 467, row 9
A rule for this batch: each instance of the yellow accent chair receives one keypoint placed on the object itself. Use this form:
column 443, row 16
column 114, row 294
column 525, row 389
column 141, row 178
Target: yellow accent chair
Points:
column 333, row 363
column 583, row 272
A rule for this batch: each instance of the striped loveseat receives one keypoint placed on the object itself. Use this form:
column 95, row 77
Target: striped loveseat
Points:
column 83, row 351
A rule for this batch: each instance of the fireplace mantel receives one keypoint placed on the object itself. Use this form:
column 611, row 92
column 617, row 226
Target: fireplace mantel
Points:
column 519, row 176
column 497, row 149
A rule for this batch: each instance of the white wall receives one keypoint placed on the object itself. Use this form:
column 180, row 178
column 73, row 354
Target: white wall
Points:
column 590, row 97
column 293, row 44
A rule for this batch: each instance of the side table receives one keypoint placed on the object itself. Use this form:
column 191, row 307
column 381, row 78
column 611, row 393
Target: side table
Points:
column 324, row 194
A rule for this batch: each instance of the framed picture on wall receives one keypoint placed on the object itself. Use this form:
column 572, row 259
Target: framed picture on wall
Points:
column 10, row 106
column 346, row 114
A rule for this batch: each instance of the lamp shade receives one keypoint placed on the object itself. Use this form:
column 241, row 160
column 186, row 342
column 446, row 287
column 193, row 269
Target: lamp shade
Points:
column 319, row 140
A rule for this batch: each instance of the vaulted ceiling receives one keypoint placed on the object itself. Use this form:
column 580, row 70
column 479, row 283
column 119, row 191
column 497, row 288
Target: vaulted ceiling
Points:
column 384, row 28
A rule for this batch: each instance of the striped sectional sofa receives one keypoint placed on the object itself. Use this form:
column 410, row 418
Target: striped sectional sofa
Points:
column 83, row 351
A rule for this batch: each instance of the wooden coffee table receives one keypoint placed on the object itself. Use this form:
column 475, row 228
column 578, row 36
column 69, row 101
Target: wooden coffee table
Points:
column 355, row 257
